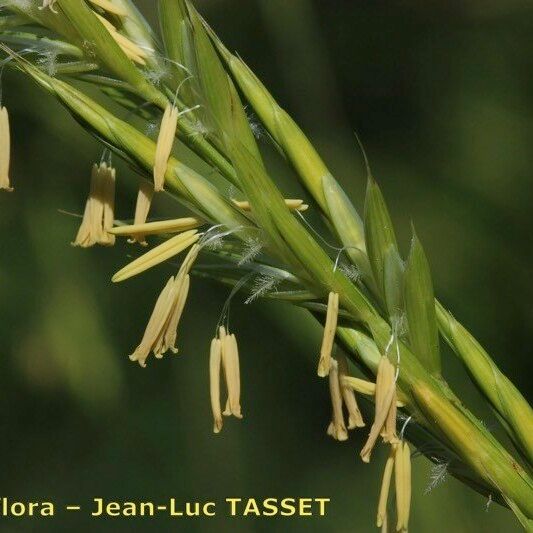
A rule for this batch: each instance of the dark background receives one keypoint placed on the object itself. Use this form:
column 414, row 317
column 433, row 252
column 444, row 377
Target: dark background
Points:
column 441, row 95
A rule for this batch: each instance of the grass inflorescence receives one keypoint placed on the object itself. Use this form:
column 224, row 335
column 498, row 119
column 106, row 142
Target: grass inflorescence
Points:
column 376, row 303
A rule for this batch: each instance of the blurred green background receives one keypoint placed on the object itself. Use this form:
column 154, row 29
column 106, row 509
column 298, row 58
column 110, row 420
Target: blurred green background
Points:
column 441, row 94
